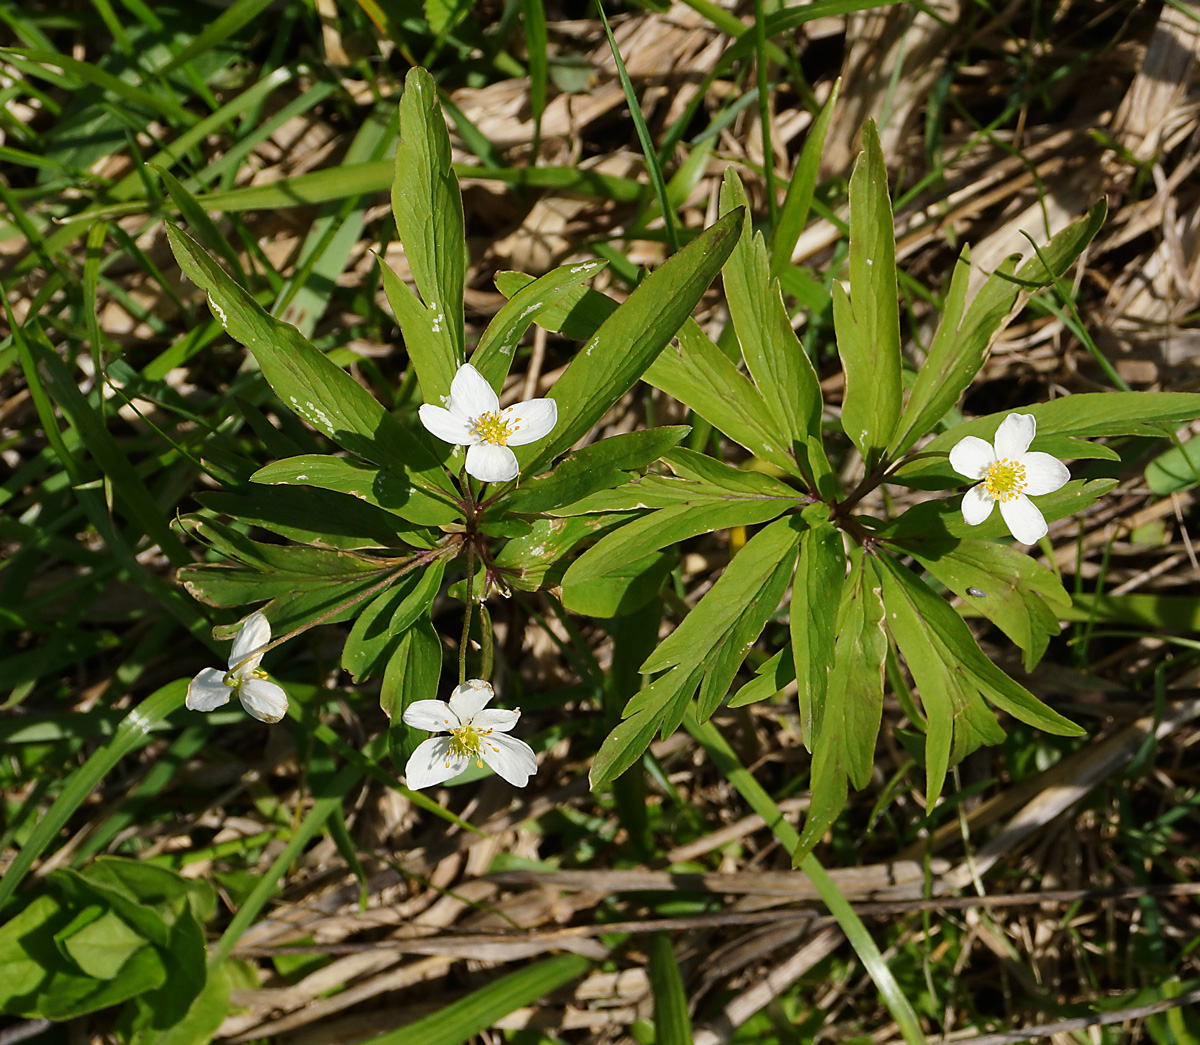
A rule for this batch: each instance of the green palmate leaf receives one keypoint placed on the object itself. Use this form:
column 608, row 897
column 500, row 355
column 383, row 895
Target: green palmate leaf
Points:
column 627, row 342
column 867, row 323
column 972, row 666
column 719, row 631
column 429, row 216
column 378, row 485
column 966, row 331
column 664, row 527
column 426, row 334
column 601, row 466
column 555, row 293
column 845, row 747
column 308, row 515
column 622, row 590
column 957, row 720
column 576, row 314
column 411, row 673
column 769, row 679
column 703, row 378
column 1020, row 595
column 794, row 213
column 820, row 573
column 781, row 370
column 539, row 558
column 320, row 392
column 643, row 716
column 381, row 623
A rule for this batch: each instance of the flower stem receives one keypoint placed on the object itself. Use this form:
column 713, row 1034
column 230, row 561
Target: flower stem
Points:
column 466, row 632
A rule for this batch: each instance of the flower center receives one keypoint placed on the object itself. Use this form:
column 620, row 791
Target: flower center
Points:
column 465, row 741
column 1005, row 480
column 492, row 428
column 234, row 678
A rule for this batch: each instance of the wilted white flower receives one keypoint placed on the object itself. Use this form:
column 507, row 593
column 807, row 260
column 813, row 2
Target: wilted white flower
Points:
column 477, row 733
column 1010, row 472
column 265, row 700
column 472, row 418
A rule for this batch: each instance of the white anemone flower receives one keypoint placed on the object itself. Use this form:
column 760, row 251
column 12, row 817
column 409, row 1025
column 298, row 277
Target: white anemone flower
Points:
column 472, row 418
column 477, row 733
column 1010, row 473
column 262, row 698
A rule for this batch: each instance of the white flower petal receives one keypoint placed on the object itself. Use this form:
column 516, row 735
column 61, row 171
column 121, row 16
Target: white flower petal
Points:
column 254, row 632
column 491, row 463
column 207, row 691
column 471, row 395
column 972, row 457
column 531, row 420
column 499, row 719
column 265, row 700
column 434, row 716
column 470, row 698
column 432, row 763
column 1023, row 519
column 1014, row 435
column 446, row 426
column 512, row 759
column 976, row 505
column 1044, row 473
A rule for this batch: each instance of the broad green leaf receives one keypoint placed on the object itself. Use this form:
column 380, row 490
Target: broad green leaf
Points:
column 309, row 515
column 817, row 588
column 28, row 953
column 378, row 485
column 429, row 216
column 382, row 621
column 867, row 323
column 1020, row 596
column 782, row 372
column 411, row 673
column 556, row 292
column 1176, row 470
column 667, row 526
column 622, row 590
column 602, row 465
column 577, row 315
column 315, row 388
column 628, row 341
column 426, row 335
column 702, row 377
column 957, row 720
column 540, row 558
column 845, row 747
column 966, row 331
column 67, row 996
column 102, row 946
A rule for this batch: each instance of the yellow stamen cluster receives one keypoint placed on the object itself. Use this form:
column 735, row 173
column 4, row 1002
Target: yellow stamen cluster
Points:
column 493, row 428
column 466, row 740
column 1005, row 480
